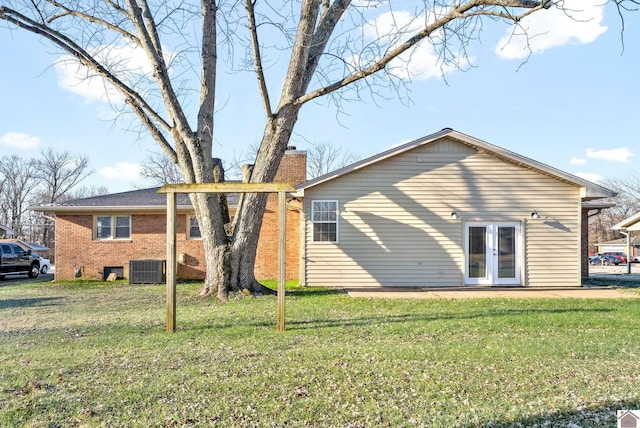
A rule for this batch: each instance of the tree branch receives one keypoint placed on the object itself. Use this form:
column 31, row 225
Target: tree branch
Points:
column 209, row 60
column 460, row 12
column 93, row 19
column 257, row 59
column 85, row 59
column 160, row 71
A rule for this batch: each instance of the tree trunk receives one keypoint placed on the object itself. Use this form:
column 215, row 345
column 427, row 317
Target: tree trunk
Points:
column 245, row 241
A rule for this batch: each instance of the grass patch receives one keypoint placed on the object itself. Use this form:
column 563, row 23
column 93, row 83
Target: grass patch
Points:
column 613, row 282
column 96, row 354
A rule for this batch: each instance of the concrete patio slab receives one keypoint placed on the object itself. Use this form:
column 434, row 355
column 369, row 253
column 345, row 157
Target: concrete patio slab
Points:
column 486, row 293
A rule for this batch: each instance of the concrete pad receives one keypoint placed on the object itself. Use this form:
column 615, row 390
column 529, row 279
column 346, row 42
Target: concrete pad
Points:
column 488, row 293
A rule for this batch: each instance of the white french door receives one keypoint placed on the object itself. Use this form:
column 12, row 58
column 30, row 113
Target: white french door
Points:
column 492, row 253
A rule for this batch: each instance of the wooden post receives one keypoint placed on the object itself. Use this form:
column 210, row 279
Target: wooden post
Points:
column 172, row 264
column 282, row 255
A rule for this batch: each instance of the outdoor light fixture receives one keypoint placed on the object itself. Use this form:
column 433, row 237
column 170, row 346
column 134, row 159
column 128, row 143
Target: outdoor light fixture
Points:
column 535, row 215
column 454, row 216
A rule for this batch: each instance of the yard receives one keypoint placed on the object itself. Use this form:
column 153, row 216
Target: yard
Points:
column 96, row 354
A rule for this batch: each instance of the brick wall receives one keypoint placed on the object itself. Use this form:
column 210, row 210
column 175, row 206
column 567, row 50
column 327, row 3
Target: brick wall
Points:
column 76, row 248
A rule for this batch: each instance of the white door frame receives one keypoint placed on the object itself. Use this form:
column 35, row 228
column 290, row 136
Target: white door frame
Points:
column 491, row 268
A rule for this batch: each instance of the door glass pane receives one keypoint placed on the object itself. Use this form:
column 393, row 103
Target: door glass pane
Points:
column 506, row 252
column 477, row 252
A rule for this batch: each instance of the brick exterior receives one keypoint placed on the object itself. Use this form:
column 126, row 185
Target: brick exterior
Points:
column 76, row 248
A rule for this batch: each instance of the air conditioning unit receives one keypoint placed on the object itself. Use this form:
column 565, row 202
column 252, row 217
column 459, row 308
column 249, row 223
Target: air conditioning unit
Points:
column 147, row 271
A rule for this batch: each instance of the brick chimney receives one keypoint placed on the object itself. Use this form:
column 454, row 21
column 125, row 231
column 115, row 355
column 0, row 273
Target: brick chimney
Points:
column 293, row 167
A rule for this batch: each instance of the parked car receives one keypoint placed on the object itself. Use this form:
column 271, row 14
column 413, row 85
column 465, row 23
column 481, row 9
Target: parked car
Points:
column 603, row 259
column 622, row 257
column 636, row 259
column 15, row 259
column 45, row 265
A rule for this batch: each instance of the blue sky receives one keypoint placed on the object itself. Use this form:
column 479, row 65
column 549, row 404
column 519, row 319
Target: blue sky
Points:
column 573, row 105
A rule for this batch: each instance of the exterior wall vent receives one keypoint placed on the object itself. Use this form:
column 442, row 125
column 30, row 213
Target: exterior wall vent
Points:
column 147, row 271
column 118, row 270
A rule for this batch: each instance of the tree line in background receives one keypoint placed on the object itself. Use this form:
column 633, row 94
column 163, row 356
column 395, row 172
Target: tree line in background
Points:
column 627, row 203
column 51, row 178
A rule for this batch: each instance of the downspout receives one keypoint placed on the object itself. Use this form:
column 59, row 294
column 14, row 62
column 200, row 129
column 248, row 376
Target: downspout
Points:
column 628, row 235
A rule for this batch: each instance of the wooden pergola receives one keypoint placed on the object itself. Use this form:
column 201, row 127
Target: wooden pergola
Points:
column 172, row 264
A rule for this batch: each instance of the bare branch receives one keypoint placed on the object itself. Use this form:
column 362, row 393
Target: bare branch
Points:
column 85, row 58
column 93, row 19
column 460, row 12
column 209, row 60
column 257, row 58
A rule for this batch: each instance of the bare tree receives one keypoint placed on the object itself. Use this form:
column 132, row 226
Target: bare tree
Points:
column 57, row 173
column 85, row 192
column 159, row 169
column 322, row 42
column 325, row 157
column 19, row 185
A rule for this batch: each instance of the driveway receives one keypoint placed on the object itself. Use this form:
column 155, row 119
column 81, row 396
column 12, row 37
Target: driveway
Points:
column 23, row 279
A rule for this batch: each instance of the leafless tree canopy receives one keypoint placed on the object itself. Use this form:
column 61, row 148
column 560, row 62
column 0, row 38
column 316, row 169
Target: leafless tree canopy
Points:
column 53, row 177
column 159, row 170
column 325, row 157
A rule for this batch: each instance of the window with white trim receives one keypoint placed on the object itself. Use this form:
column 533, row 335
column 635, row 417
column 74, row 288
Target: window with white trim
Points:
column 324, row 216
column 112, row 227
column 194, row 228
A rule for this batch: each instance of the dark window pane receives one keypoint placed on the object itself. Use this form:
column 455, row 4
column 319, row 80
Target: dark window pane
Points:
column 477, row 252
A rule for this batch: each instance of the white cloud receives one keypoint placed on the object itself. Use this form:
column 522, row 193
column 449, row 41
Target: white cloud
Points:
column 390, row 29
column 578, row 161
column 589, row 176
column 622, row 154
column 125, row 60
column 579, row 23
column 122, row 171
column 20, row 140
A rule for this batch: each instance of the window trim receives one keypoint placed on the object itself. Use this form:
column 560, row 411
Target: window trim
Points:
column 336, row 221
column 113, row 227
column 188, row 225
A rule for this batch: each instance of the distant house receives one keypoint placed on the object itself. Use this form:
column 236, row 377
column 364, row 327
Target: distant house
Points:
column 629, row 245
column 620, row 245
column 446, row 210
column 6, row 232
column 100, row 235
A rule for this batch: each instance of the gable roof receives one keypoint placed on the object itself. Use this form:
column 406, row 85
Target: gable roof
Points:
column 7, row 230
column 631, row 223
column 134, row 200
column 589, row 190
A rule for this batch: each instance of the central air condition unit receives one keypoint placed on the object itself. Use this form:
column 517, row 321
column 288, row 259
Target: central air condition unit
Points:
column 147, row 271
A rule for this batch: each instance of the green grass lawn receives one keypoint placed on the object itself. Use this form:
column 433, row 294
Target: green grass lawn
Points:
column 96, row 354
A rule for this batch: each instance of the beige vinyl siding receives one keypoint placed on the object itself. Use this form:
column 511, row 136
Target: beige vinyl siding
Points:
column 395, row 227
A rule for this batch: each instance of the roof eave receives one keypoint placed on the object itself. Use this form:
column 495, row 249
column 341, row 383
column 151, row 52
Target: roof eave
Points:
column 107, row 209
column 589, row 190
column 632, row 223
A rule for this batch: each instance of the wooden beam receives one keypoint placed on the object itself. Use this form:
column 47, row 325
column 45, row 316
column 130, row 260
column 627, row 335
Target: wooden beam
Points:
column 227, row 188
column 172, row 264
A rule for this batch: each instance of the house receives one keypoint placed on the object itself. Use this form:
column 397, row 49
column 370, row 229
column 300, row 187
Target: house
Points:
column 100, row 235
column 6, row 232
column 446, row 210
column 629, row 245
